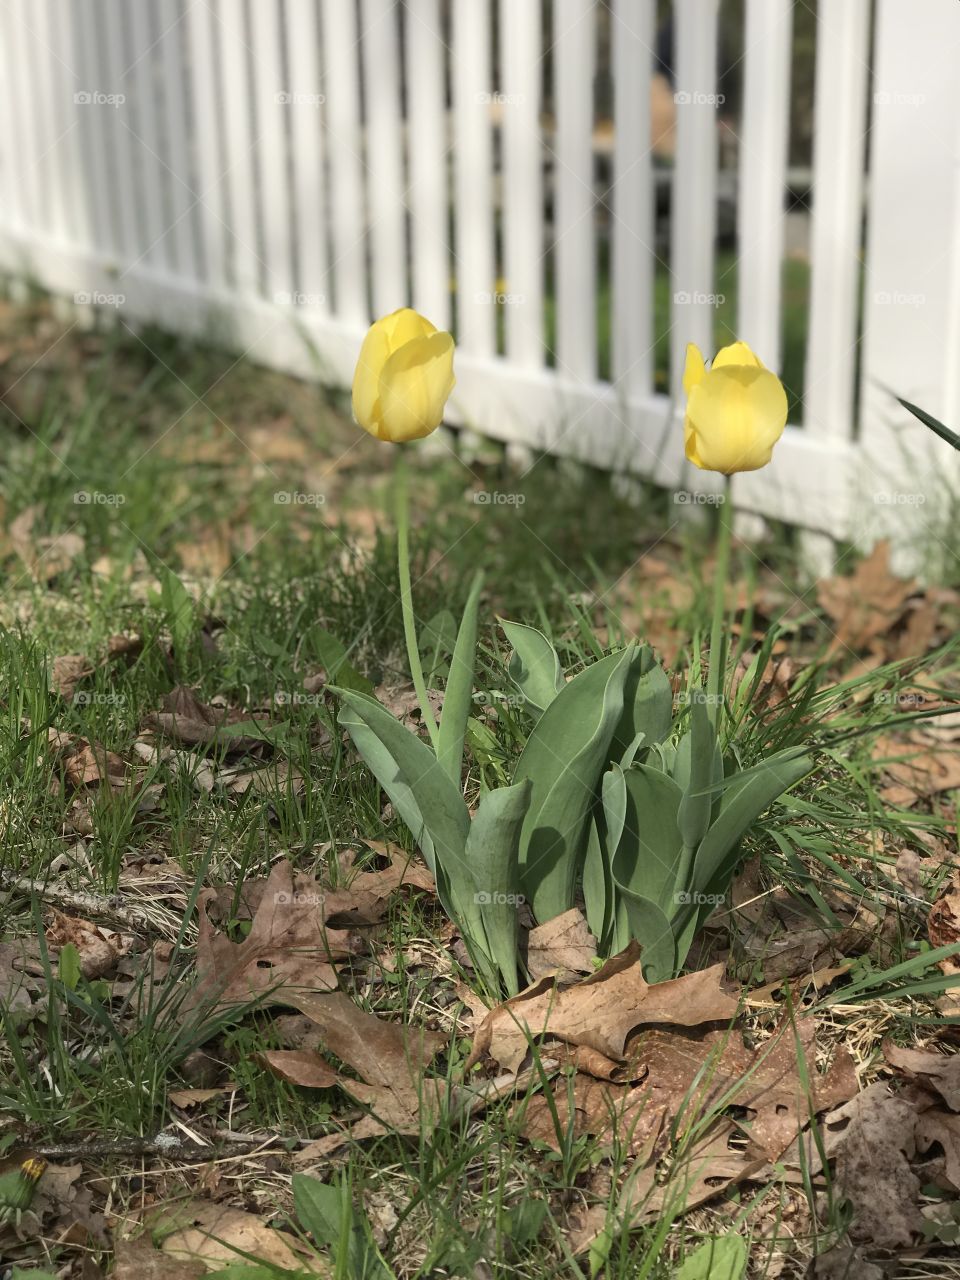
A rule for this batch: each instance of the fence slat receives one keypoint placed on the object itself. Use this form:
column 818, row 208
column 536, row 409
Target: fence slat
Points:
column 182, row 183
column 114, row 122
column 522, row 180
column 574, row 243
column 344, row 148
column 762, row 178
column 270, row 132
column 427, row 149
column 840, row 114
column 210, row 174
column 20, row 84
column 306, row 142
column 244, row 242
column 44, row 77
column 694, row 194
column 472, row 82
column 141, row 83
column 632, row 198
column 380, row 48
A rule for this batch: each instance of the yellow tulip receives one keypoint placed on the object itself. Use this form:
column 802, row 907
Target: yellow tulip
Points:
column 736, row 410
column 403, row 378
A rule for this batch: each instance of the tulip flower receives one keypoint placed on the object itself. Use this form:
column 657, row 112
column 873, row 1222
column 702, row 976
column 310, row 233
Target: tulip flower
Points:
column 403, row 378
column 736, row 410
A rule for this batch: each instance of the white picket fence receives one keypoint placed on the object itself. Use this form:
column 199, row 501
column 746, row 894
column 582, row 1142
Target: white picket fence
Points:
column 278, row 172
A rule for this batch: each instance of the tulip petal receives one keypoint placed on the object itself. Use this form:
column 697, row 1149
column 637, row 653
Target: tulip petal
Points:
column 690, row 442
column 694, row 368
column 366, row 379
column 403, row 326
column 736, row 414
column 414, row 387
column 736, row 353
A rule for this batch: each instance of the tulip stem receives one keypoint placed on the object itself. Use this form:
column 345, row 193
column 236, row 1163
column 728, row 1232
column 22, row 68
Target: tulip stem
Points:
column 715, row 672
column 406, row 597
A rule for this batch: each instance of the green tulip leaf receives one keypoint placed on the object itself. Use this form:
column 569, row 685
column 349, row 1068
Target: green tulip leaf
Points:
column 533, row 666
column 647, row 705
column 563, row 758
column 458, row 695
column 407, row 769
column 693, row 773
column 743, row 800
column 723, row 1258
column 491, row 854
column 646, row 862
column 651, row 928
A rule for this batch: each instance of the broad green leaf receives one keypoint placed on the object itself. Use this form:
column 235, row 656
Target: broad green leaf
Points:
column 647, row 705
column 491, row 856
column 177, row 603
column 413, row 767
column 436, row 643
column 564, row 757
column 68, row 966
column 387, row 772
column 533, row 666
column 598, row 887
column 458, row 695
column 693, row 773
column 647, row 858
column 651, row 928
column 744, row 799
column 327, row 1211
column 724, row 1258
column 332, row 653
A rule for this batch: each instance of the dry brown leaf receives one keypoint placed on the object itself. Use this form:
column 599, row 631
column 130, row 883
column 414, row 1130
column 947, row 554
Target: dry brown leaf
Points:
column 563, row 946
column 602, row 1010
column 184, row 718
column 865, row 605
column 68, row 670
column 45, row 556
column 88, row 764
column 138, row 1260
column 218, row 1233
column 186, row 1098
column 98, row 948
column 289, row 949
column 927, row 769
column 303, row 1067
column 938, row 1073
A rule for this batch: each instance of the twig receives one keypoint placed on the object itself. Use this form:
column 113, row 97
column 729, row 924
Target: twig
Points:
column 90, row 904
column 162, row 1144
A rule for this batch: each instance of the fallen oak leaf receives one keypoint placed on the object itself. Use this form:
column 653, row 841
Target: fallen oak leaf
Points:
column 563, row 945
column 288, row 951
column 184, row 718
column 601, row 1011
column 938, row 1073
column 303, row 1067
column 218, row 1233
column 867, row 604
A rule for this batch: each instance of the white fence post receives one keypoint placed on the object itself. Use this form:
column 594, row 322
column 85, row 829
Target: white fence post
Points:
column 912, row 302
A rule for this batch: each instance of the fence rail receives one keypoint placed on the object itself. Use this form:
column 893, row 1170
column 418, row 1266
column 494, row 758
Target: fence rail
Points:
column 280, row 173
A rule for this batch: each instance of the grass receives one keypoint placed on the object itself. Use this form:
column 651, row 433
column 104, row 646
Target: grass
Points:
column 238, row 594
